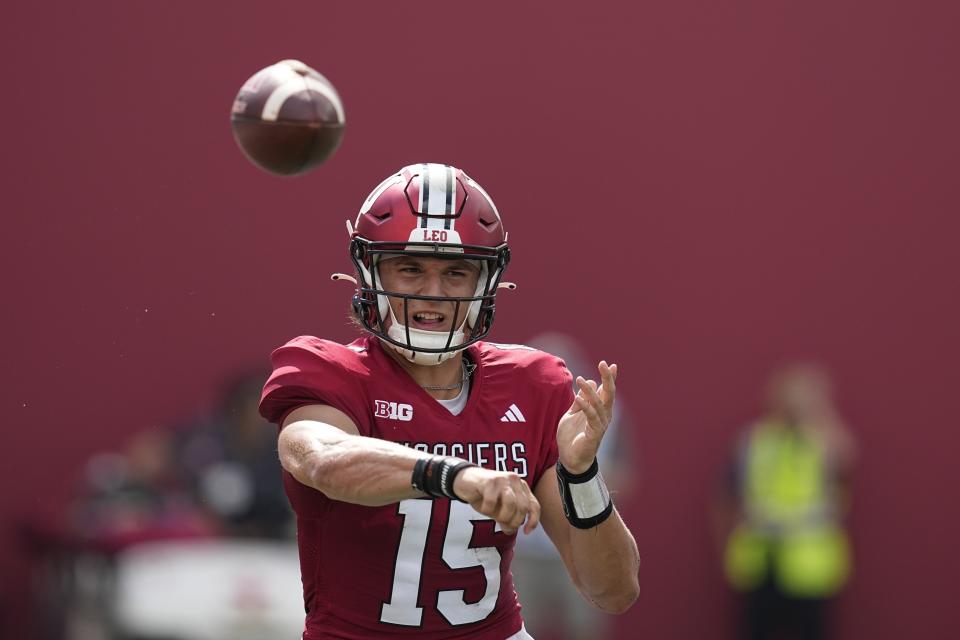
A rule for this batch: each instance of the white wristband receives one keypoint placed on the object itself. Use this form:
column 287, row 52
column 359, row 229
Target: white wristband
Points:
column 586, row 500
column 590, row 498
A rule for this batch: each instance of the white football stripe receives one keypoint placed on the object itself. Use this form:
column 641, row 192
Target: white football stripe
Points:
column 294, row 85
column 516, row 411
column 511, row 417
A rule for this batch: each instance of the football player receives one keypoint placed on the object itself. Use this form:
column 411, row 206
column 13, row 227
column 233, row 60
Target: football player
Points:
column 414, row 455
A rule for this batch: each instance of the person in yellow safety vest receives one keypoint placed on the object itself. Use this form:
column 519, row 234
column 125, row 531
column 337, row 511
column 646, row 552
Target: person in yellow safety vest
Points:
column 784, row 545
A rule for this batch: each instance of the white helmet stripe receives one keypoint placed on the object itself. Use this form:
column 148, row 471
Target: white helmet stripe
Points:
column 451, row 197
column 424, row 191
column 436, row 188
column 438, row 195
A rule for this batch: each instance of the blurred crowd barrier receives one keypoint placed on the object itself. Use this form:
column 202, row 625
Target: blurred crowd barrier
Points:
column 183, row 534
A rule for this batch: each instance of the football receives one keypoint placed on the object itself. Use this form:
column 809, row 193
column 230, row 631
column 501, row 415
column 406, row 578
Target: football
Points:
column 287, row 118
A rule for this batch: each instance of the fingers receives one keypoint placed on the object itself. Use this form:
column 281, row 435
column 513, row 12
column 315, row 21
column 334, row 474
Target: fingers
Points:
column 507, row 499
column 507, row 514
column 594, row 408
column 533, row 519
column 608, row 377
column 595, row 421
column 608, row 374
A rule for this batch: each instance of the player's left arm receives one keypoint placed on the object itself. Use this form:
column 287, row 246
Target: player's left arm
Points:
column 602, row 560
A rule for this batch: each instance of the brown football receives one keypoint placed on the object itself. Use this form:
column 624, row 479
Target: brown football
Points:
column 287, row 118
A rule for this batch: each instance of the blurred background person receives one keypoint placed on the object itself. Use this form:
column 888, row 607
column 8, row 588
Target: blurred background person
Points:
column 553, row 609
column 230, row 461
column 780, row 509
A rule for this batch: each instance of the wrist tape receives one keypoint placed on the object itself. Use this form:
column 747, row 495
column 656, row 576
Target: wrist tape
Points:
column 434, row 475
column 586, row 500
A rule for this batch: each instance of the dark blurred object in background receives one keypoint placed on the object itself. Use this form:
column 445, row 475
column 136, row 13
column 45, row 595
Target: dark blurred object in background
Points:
column 780, row 511
column 136, row 495
column 148, row 547
column 230, row 461
column 127, row 498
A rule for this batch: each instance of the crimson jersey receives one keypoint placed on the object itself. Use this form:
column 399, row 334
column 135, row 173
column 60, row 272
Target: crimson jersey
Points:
column 419, row 568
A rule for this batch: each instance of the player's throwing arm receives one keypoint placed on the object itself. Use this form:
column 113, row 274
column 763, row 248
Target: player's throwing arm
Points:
column 321, row 447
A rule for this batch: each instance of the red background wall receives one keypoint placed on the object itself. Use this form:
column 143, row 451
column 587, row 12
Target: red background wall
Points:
column 696, row 189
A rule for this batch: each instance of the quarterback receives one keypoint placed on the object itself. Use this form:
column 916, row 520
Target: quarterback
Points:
column 414, row 455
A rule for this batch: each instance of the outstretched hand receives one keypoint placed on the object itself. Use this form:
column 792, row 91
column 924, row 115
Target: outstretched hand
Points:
column 583, row 425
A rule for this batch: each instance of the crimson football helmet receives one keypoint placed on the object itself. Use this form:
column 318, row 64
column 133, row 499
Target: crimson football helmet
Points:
column 432, row 210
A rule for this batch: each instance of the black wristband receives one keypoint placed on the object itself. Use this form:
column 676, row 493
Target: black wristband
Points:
column 578, row 478
column 434, row 476
column 578, row 487
column 449, row 472
column 426, row 476
column 417, row 480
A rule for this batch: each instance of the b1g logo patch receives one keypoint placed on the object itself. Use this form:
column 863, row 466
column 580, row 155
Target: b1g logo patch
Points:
column 393, row 410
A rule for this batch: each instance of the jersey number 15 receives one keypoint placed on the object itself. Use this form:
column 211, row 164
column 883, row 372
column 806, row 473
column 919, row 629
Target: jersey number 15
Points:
column 402, row 608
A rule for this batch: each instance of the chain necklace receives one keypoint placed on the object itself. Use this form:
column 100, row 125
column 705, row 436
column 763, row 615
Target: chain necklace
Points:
column 464, row 378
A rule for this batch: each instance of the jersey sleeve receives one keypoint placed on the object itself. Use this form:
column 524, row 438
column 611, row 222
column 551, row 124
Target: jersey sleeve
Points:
column 312, row 371
column 560, row 399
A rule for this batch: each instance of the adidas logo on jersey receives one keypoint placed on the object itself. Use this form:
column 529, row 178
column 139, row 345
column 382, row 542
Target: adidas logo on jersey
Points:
column 513, row 415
